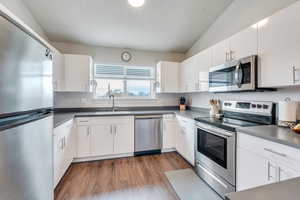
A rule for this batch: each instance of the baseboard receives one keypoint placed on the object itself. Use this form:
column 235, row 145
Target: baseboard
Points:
column 107, row 157
column 168, row 150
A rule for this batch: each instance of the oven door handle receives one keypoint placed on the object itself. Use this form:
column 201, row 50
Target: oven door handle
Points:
column 212, row 176
column 223, row 135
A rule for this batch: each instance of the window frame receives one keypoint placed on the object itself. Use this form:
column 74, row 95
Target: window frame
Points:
column 151, row 80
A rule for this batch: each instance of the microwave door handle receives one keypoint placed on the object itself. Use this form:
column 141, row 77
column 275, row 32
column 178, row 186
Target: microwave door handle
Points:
column 238, row 75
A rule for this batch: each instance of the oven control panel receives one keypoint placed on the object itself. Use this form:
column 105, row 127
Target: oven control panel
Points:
column 255, row 107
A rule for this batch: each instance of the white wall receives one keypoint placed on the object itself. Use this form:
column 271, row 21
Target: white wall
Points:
column 77, row 100
column 104, row 55
column 107, row 55
column 239, row 15
column 19, row 8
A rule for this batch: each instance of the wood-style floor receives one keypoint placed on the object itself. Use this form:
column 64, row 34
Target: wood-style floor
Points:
column 134, row 178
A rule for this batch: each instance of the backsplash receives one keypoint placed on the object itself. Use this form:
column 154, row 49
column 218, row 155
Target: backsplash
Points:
column 84, row 100
column 202, row 99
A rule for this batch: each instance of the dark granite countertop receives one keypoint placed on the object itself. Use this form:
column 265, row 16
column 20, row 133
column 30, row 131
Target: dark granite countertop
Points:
column 274, row 133
column 62, row 117
column 286, row 190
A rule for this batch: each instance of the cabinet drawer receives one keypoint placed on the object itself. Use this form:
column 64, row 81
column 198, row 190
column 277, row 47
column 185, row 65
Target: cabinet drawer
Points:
column 279, row 153
column 85, row 121
column 111, row 120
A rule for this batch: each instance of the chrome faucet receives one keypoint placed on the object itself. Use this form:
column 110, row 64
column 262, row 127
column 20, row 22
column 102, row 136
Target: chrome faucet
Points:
column 111, row 96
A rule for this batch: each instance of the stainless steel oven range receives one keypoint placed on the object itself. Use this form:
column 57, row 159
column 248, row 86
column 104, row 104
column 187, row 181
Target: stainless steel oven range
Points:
column 215, row 146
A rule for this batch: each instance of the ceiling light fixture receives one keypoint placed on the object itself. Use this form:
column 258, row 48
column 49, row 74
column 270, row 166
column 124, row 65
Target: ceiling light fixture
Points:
column 136, row 3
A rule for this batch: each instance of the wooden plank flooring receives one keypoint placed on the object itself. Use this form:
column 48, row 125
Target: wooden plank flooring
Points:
column 134, row 178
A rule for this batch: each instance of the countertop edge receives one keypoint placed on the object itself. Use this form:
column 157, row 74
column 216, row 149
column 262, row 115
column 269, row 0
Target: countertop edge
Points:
column 67, row 116
column 269, row 138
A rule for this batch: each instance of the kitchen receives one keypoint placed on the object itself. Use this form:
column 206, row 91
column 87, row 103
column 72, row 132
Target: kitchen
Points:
column 133, row 102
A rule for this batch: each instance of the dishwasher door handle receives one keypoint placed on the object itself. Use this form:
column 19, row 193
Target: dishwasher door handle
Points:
column 149, row 117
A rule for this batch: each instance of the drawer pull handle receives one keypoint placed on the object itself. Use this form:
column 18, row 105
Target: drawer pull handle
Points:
column 274, row 152
column 83, row 121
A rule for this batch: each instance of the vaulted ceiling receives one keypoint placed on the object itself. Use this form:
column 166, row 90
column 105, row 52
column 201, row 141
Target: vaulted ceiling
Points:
column 160, row 25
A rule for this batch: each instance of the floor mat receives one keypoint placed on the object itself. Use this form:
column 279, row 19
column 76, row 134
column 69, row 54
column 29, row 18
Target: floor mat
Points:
column 188, row 186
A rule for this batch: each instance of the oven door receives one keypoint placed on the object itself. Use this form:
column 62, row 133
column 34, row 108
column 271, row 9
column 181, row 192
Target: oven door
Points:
column 234, row 76
column 215, row 150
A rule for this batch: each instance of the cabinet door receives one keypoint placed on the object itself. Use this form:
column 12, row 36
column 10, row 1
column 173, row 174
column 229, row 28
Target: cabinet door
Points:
column 69, row 146
column 189, row 144
column 180, row 141
column 203, row 63
column 244, row 43
column 286, row 173
column 170, row 129
column 102, row 140
column 57, row 157
column 83, row 142
column 185, row 139
column 220, row 53
column 279, row 47
column 77, row 73
column 168, row 73
column 185, row 79
column 262, row 171
column 124, row 138
column 58, row 71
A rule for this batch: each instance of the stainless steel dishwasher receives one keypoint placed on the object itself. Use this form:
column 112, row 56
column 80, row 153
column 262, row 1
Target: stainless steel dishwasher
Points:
column 148, row 134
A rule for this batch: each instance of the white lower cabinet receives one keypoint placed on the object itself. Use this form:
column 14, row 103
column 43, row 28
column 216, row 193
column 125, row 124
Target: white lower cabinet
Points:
column 124, row 139
column 83, row 141
column 101, row 140
column 252, row 170
column 170, row 129
column 185, row 139
column 261, row 162
column 63, row 149
column 104, row 136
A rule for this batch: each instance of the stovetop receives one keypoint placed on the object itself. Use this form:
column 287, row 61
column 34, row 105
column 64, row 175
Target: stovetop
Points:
column 226, row 123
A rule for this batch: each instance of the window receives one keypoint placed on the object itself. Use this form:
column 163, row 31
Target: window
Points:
column 124, row 81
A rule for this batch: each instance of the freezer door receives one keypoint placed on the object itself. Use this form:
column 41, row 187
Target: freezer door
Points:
column 25, row 71
column 26, row 168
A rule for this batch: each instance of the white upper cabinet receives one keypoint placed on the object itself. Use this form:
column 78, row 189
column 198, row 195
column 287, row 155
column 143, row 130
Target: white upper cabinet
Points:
column 220, row 53
column 168, row 77
column 58, row 71
column 194, row 72
column 186, row 75
column 244, row 43
column 279, row 48
column 203, row 63
column 78, row 70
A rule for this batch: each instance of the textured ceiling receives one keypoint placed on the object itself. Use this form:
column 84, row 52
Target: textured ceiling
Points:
column 160, row 25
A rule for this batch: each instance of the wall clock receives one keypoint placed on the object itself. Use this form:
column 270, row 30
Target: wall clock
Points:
column 126, row 56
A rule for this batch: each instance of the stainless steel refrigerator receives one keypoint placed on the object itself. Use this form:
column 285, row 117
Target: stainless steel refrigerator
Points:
column 26, row 121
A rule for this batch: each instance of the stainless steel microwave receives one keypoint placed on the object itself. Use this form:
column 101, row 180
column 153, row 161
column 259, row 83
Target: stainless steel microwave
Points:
column 234, row 76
